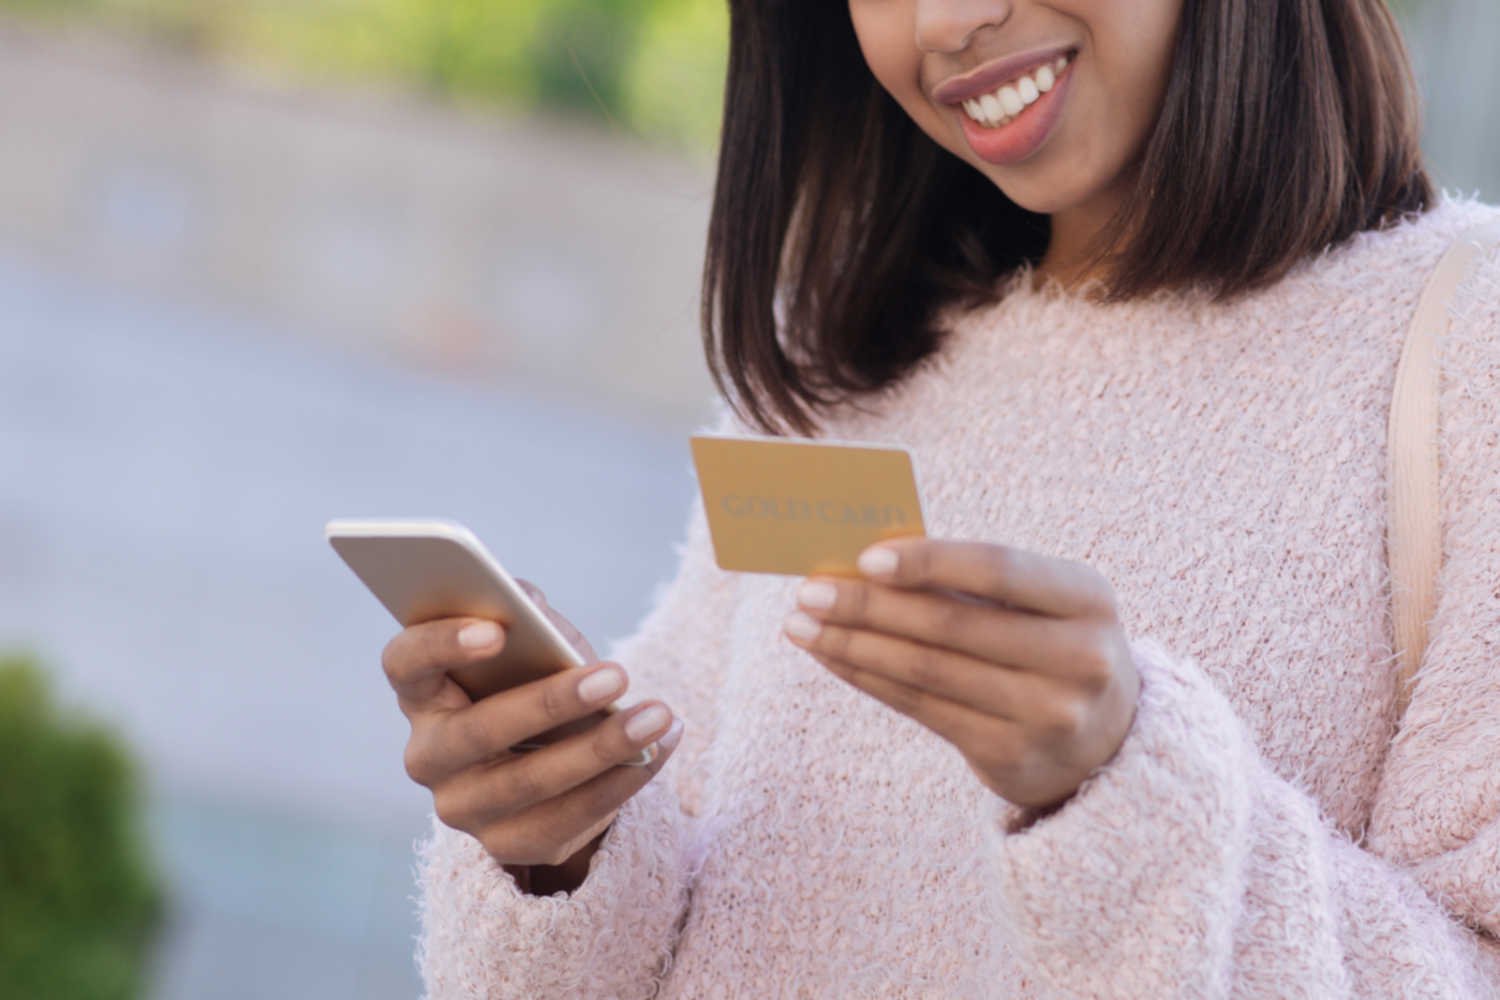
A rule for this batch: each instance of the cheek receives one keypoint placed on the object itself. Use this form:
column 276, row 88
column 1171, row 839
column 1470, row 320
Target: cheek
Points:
column 1115, row 101
column 885, row 38
column 1108, row 128
column 1132, row 63
column 878, row 31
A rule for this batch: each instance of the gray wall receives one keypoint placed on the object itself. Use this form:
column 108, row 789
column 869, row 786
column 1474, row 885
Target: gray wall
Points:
column 1454, row 45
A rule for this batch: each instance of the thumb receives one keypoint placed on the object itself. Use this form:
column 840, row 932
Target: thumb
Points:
column 532, row 591
column 567, row 628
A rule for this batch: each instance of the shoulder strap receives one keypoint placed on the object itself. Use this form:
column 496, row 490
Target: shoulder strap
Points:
column 1414, row 528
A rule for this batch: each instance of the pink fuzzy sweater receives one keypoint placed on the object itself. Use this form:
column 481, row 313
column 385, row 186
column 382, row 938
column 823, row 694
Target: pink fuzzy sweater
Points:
column 1262, row 832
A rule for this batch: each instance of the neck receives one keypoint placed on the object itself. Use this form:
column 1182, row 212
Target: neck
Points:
column 1069, row 259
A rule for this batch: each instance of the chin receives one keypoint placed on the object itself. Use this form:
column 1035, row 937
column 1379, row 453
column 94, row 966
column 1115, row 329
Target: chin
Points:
column 1043, row 199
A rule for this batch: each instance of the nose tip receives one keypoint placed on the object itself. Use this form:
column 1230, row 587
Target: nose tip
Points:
column 946, row 26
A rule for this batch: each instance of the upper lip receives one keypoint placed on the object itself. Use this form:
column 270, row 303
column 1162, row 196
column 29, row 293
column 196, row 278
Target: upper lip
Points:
column 957, row 89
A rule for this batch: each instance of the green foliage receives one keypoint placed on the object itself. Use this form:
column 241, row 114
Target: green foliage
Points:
column 674, row 85
column 655, row 66
column 79, row 902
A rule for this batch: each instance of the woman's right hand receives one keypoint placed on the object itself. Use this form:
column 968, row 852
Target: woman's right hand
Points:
column 547, row 807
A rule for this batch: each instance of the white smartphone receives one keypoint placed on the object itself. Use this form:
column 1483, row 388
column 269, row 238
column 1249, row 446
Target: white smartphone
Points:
column 422, row 570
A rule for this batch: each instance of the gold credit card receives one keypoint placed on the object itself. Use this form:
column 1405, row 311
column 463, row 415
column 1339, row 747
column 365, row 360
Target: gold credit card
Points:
column 778, row 505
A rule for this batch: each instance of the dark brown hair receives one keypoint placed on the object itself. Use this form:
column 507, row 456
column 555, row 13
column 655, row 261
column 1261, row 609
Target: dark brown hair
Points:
column 839, row 229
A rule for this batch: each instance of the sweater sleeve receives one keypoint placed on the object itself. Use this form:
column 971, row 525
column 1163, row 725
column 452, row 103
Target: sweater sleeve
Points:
column 613, row 936
column 1187, row 868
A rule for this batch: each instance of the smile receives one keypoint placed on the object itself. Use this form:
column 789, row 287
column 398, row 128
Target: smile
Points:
column 1004, row 104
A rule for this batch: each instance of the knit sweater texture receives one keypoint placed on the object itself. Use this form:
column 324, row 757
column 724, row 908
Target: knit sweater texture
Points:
column 1265, row 830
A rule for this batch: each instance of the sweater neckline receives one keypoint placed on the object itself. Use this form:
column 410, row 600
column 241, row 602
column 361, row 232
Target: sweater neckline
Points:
column 1029, row 308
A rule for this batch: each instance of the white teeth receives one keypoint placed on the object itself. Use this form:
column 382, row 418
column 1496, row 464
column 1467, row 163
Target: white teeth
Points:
column 999, row 107
column 994, row 108
column 976, row 110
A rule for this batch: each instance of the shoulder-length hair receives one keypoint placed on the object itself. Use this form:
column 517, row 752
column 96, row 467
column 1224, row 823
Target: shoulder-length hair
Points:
column 839, row 229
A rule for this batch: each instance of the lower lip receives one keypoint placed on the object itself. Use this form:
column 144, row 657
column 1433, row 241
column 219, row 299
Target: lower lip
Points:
column 1019, row 139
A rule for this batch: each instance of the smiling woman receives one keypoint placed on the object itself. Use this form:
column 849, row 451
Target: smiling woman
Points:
column 1154, row 151
column 1131, row 283
column 1111, row 64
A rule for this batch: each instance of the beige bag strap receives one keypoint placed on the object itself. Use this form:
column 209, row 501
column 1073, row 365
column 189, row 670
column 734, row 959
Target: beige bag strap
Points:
column 1414, row 529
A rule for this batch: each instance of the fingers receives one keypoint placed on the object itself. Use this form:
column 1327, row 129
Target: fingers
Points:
column 1025, row 579
column 561, row 780
column 417, row 660
column 952, row 620
column 480, row 733
column 578, row 815
column 960, row 724
column 532, row 591
column 838, row 613
column 918, row 667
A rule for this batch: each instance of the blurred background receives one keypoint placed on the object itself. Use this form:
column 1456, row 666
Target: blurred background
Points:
column 267, row 262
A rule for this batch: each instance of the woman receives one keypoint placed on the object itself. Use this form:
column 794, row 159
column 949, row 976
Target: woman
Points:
column 1131, row 280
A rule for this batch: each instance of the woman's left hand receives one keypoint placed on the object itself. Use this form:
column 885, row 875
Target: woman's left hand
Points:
column 1016, row 658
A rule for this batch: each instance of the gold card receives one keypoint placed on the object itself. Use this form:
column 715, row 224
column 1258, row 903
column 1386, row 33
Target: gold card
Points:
column 798, row 506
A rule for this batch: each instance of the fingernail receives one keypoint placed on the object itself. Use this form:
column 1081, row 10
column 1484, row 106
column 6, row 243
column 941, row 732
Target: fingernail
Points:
column 817, row 594
column 878, row 561
column 601, row 684
column 671, row 736
column 479, row 635
column 801, row 626
column 643, row 724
